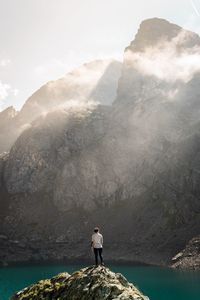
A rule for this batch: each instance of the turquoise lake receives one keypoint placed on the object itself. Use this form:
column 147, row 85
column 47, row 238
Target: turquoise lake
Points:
column 156, row 283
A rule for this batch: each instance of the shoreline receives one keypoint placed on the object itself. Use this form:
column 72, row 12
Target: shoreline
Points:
column 77, row 262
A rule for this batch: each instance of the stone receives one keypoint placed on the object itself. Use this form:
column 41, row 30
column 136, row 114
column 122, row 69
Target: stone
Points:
column 189, row 257
column 90, row 283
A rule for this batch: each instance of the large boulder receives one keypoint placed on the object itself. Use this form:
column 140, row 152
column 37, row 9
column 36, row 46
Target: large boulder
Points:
column 189, row 257
column 87, row 284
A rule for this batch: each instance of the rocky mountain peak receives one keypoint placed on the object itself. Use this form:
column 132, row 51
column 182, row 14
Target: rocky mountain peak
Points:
column 7, row 114
column 87, row 284
column 156, row 30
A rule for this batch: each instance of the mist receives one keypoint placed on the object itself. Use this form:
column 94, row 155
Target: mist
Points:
column 168, row 60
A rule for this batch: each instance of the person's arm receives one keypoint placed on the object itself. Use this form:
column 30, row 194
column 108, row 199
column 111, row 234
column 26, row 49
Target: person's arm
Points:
column 102, row 240
column 91, row 245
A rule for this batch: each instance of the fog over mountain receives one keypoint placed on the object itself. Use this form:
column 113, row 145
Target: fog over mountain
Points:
column 131, row 166
column 94, row 82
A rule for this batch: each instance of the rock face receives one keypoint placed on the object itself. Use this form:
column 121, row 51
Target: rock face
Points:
column 87, row 284
column 189, row 257
column 7, row 130
column 132, row 167
column 93, row 82
column 7, row 115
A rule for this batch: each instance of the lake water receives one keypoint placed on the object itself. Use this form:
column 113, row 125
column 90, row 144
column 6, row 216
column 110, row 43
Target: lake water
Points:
column 156, row 283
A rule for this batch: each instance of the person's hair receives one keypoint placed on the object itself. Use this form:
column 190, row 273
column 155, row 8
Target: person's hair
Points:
column 96, row 229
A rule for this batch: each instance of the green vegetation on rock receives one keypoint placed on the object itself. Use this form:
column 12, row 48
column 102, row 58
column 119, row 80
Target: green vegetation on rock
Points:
column 90, row 283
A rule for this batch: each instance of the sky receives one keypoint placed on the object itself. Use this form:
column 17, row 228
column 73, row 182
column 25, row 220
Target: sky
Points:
column 41, row 40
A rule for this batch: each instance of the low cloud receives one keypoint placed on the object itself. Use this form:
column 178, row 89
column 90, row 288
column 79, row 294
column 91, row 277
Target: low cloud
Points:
column 4, row 90
column 78, row 85
column 169, row 60
column 5, row 62
column 15, row 92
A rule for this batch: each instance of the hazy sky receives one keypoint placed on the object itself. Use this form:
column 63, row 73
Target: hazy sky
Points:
column 42, row 40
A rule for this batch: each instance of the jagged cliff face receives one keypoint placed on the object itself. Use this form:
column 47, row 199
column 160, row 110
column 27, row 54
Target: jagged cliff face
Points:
column 94, row 82
column 52, row 148
column 189, row 257
column 133, row 168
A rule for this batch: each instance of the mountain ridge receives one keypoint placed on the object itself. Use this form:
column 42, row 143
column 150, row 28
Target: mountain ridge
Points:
column 132, row 167
column 93, row 82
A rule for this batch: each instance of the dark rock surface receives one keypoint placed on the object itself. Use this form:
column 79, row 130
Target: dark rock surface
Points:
column 189, row 257
column 132, row 168
column 87, row 284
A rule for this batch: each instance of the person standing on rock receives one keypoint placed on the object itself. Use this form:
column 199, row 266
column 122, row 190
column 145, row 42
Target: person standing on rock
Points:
column 97, row 245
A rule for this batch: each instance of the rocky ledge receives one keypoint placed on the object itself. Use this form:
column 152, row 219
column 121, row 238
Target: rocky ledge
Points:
column 90, row 283
column 188, row 258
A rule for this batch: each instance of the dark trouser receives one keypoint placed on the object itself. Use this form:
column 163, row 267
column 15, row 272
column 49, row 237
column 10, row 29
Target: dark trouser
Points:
column 98, row 251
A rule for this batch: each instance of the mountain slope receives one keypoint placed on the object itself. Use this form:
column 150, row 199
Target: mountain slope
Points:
column 78, row 85
column 133, row 167
column 93, row 82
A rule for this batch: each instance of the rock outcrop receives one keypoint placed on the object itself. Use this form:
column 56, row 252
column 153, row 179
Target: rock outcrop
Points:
column 189, row 257
column 87, row 284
